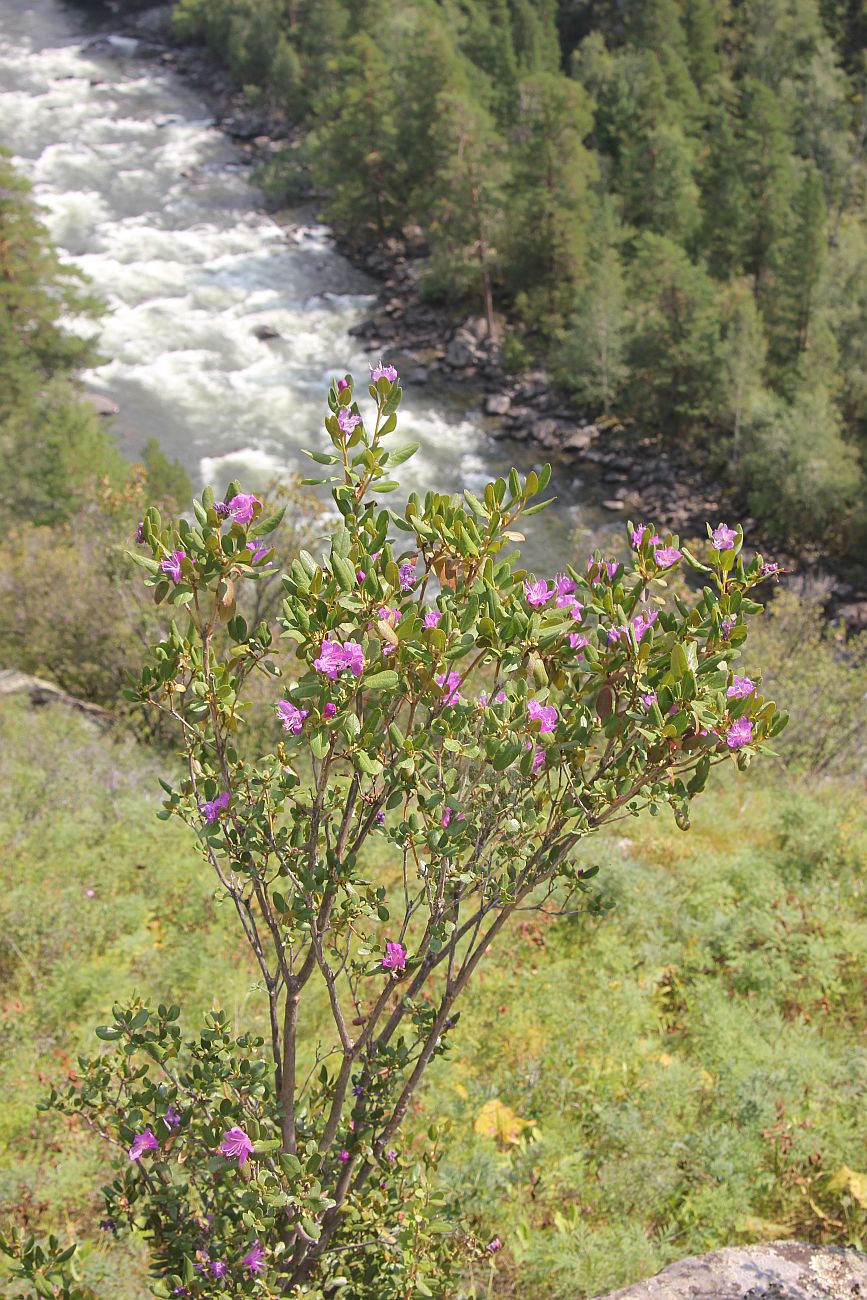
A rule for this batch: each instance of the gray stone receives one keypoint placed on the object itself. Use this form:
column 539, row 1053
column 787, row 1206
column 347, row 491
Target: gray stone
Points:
column 497, row 404
column 39, row 691
column 103, row 404
column 266, row 332
column 778, row 1270
column 460, row 355
column 546, row 432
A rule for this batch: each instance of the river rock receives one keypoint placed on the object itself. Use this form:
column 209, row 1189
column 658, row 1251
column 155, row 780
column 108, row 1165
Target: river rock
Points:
column 242, row 126
column 611, row 504
column 779, row 1270
column 103, row 404
column 459, row 354
column 546, row 432
column 266, row 332
column 497, row 404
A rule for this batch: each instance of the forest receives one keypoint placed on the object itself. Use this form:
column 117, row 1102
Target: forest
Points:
column 663, row 202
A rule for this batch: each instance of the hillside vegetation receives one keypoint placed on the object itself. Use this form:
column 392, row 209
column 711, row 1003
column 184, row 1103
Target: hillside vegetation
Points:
column 666, row 197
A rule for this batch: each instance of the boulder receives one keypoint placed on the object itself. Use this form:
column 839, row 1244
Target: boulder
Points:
column 40, row 692
column 103, row 404
column 547, row 433
column 460, row 354
column 266, row 332
column 242, row 126
column 497, row 404
column 778, row 1270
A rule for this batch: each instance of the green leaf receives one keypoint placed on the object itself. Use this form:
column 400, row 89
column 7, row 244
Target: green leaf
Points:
column 400, row 454
column 266, row 526
column 385, row 680
column 321, row 457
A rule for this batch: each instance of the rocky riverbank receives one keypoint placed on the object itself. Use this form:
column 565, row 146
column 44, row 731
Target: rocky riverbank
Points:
column 640, row 476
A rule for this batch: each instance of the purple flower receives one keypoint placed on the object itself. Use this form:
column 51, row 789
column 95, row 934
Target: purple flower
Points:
column 570, row 603
column 357, row 1090
column 360, row 576
column 450, row 686
column 329, row 709
column 614, row 634
column 740, row 733
column 291, row 716
column 259, row 550
column 182, row 1291
column 395, row 957
column 172, row 566
column 334, row 658
column 432, row 618
column 500, row 697
column 723, row 537
column 388, row 614
column 406, row 576
column 344, row 1157
column 637, row 535
column 236, row 1145
column 666, row 556
column 740, row 688
column 143, row 1142
column 538, row 593
column 644, row 622
column 243, row 507
column 538, row 756
column 391, row 1157
column 139, row 532
column 545, row 714
column 380, row 818
column 254, row 1260
column 725, row 628
column 446, row 817
column 565, row 587
column 383, row 372
column 107, row 1225
column 212, row 808
column 219, row 1268
column 222, row 510
column 576, row 641
column 90, row 893
column 649, row 699
column 347, row 421
column 342, row 385
column 770, row 570
column 172, row 1118
column 494, row 1245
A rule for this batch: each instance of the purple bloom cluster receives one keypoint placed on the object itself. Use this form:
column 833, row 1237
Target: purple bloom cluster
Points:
column 723, row 538
column 383, row 372
column 334, row 658
column 395, row 957
column 347, row 421
column 450, row 686
column 432, row 618
column 666, row 556
column 544, row 714
column 143, row 1142
column 172, row 566
column 740, row 688
column 538, row 593
column 243, row 507
column 236, row 1145
column 740, row 733
column 291, row 716
column 212, row 808
column 406, row 577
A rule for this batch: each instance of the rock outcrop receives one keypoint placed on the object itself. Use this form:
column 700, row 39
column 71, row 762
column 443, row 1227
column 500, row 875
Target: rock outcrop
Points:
column 778, row 1270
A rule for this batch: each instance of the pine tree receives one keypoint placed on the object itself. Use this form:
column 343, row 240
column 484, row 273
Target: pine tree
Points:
column 742, row 360
column 468, row 183
column 591, row 357
column 769, row 176
column 795, row 270
column 724, row 197
column 674, row 346
column 549, row 204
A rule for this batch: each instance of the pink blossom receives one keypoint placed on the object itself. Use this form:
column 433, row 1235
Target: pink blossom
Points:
column 243, row 506
column 90, row 893
column 172, row 566
column 740, row 733
column 538, row 756
column 360, row 575
column 383, row 372
column 666, row 556
column 494, row 1245
column 334, row 658
column 236, row 1145
column 545, row 714
column 387, row 614
column 344, row 1157
column 212, row 808
column 219, row 1268
column 406, row 577
column 538, row 593
column 649, row 699
column 329, row 709
column 347, row 421
column 637, row 535
column 395, row 957
column 342, row 385
column 446, row 817
column 432, row 618
column 723, row 537
column 565, row 588
column 143, row 1142
column 740, row 688
column 643, row 622
column 254, row 1260
column 450, row 686
column 576, row 641
column 291, row 716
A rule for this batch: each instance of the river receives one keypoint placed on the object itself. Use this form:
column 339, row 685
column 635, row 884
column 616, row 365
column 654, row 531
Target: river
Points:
column 155, row 205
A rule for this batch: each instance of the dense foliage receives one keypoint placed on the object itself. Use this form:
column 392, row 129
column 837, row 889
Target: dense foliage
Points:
column 244, row 1163
column 666, row 196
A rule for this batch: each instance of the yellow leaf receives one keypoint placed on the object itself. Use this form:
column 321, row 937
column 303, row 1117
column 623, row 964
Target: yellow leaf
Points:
column 460, row 1090
column 760, row 1229
column 847, row 1180
column 500, row 1122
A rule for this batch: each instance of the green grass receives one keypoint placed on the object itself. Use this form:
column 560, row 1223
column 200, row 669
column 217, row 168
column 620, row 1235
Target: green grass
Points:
column 691, row 1063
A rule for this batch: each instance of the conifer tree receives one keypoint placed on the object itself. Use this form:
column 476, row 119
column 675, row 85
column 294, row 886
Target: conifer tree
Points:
column 592, row 353
column 467, row 203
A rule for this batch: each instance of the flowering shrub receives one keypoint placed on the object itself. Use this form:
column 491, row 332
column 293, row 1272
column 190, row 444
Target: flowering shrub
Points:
column 474, row 721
